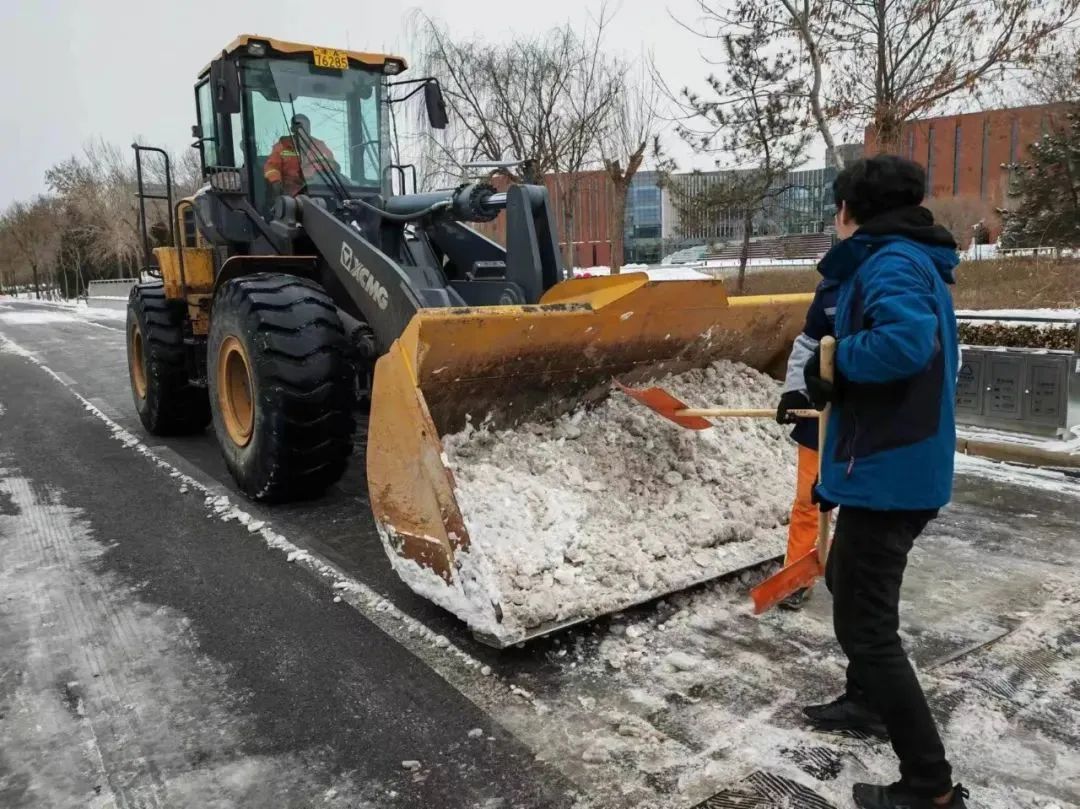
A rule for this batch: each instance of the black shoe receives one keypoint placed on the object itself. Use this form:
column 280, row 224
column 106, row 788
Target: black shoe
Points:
column 843, row 713
column 898, row 796
column 796, row 600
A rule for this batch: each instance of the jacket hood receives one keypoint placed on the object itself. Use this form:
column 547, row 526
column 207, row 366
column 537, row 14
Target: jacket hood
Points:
column 914, row 225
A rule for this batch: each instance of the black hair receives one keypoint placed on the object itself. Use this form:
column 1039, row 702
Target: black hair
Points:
column 875, row 185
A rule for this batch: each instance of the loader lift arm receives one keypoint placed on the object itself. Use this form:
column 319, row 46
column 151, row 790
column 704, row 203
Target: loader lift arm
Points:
column 443, row 264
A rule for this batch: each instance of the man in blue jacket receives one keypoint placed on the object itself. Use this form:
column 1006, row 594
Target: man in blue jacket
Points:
column 888, row 461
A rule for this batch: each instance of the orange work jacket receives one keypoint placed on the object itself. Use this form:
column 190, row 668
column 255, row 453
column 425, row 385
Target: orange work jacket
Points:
column 284, row 164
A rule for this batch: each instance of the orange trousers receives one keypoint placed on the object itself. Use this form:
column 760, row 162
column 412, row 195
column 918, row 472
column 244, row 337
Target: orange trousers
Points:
column 803, row 527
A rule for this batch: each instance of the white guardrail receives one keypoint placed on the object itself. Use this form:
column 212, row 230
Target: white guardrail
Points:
column 110, row 294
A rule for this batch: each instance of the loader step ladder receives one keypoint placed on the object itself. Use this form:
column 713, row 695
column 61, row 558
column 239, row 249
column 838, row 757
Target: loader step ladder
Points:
column 143, row 195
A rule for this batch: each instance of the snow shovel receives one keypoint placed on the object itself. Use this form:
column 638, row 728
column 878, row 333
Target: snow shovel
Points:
column 805, row 570
column 676, row 410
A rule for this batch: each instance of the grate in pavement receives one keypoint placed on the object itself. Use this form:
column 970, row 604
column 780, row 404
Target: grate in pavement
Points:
column 1016, row 673
column 763, row 790
column 787, row 793
column 823, row 763
column 737, row 799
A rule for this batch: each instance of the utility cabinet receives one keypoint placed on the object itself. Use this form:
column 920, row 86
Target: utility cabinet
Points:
column 1026, row 390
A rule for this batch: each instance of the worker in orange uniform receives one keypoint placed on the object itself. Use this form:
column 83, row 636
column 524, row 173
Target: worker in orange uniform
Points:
column 803, row 526
column 296, row 159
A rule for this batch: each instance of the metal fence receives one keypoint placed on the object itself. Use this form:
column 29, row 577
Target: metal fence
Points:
column 109, row 294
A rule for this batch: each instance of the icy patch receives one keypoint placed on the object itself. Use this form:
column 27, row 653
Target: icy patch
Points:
column 611, row 506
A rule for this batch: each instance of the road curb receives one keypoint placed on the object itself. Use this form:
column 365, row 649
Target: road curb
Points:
column 1018, row 453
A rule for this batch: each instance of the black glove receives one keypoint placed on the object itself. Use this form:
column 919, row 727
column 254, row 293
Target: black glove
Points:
column 818, row 500
column 820, row 391
column 791, row 400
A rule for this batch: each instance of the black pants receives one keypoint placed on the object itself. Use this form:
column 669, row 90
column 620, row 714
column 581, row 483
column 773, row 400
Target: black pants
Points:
column 864, row 574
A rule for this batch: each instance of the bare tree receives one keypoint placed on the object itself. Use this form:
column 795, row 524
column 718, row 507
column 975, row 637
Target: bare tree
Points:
column 629, row 129
column 542, row 99
column 802, row 26
column 886, row 62
column 756, row 116
column 902, row 59
column 1054, row 77
column 33, row 231
column 97, row 190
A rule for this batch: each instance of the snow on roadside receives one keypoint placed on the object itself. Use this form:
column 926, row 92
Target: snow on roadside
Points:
column 221, row 506
column 1066, row 315
column 115, row 692
column 673, row 273
column 1047, row 480
column 80, row 308
column 1070, row 445
column 612, row 505
column 35, row 318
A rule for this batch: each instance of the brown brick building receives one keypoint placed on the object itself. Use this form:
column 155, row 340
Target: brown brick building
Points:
column 592, row 209
column 965, row 155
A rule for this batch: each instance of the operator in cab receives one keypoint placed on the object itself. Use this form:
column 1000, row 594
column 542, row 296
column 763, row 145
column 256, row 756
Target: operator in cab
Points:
column 297, row 158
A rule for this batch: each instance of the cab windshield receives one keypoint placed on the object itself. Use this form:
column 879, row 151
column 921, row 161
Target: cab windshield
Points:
column 344, row 110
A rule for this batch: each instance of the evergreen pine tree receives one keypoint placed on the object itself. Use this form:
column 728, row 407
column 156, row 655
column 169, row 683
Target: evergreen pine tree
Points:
column 1047, row 189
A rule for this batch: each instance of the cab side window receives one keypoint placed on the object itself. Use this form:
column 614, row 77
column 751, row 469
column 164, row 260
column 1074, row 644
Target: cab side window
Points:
column 204, row 102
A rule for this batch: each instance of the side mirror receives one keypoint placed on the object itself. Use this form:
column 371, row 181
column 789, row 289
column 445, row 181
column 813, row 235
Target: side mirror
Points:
column 436, row 105
column 225, row 84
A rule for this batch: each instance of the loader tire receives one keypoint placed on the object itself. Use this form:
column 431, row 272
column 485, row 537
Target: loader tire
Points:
column 280, row 386
column 167, row 402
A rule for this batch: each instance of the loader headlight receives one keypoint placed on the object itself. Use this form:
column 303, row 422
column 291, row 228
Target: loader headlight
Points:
column 391, row 67
column 256, row 49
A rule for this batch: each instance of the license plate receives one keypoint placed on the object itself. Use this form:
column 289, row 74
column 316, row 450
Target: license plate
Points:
column 335, row 60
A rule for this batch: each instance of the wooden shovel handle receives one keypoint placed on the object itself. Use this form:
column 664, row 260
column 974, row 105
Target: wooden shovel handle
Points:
column 749, row 413
column 828, row 368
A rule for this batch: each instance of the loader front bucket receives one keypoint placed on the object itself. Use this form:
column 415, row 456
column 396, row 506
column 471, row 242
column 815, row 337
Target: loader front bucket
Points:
column 510, row 364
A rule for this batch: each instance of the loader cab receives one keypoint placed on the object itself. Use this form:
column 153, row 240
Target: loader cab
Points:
column 246, row 99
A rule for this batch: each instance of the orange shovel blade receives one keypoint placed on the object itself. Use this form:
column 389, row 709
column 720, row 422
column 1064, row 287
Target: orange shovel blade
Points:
column 799, row 574
column 662, row 402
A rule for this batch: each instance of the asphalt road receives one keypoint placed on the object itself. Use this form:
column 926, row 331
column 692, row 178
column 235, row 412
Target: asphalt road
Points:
column 160, row 656
column 179, row 663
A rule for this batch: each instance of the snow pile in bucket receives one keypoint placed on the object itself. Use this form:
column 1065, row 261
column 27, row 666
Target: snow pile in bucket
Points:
column 609, row 506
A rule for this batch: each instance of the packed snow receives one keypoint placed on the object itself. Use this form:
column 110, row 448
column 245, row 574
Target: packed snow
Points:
column 1070, row 445
column 692, row 699
column 674, row 273
column 51, row 312
column 610, row 506
column 35, row 318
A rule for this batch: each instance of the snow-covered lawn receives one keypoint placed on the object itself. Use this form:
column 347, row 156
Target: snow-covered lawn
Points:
column 1052, row 314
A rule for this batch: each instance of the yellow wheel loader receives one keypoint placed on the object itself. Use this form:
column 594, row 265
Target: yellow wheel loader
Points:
column 299, row 287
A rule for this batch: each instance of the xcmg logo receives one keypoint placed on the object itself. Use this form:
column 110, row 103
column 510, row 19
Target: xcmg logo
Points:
column 368, row 282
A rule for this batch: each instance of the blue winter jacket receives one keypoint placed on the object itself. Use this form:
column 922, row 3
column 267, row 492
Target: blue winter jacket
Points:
column 892, row 435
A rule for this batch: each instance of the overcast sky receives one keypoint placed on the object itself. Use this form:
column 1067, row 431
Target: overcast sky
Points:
column 123, row 69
